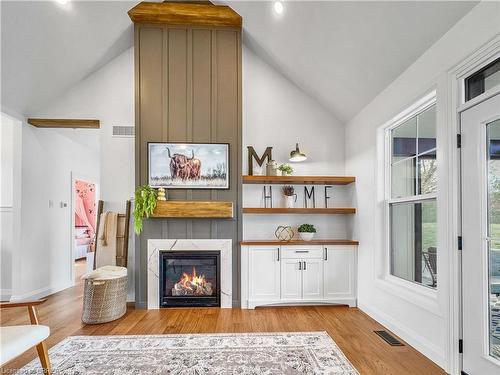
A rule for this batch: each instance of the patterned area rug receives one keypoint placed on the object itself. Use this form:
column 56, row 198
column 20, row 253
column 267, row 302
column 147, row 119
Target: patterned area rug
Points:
column 242, row 354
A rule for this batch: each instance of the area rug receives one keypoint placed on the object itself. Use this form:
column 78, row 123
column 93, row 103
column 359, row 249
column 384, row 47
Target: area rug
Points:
column 233, row 353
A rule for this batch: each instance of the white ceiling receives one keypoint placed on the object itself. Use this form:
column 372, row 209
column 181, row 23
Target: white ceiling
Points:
column 47, row 48
column 344, row 53
column 341, row 53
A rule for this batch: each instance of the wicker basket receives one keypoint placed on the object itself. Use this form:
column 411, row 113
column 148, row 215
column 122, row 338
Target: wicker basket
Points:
column 104, row 300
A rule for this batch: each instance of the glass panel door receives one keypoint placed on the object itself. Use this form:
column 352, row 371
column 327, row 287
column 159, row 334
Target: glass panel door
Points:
column 493, row 145
column 480, row 162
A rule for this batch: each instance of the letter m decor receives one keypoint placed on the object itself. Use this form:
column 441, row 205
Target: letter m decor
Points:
column 260, row 160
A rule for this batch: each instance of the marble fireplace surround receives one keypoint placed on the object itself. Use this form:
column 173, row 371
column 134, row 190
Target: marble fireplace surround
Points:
column 157, row 245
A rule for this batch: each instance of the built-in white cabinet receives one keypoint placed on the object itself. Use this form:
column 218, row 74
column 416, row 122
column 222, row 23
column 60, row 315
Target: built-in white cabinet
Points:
column 339, row 273
column 298, row 275
column 264, row 273
column 291, row 279
column 312, row 279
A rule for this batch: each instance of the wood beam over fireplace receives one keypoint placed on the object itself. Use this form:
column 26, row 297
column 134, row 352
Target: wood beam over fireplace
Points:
column 192, row 14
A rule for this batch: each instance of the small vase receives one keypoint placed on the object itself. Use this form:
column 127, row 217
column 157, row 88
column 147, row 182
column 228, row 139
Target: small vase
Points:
column 306, row 236
column 290, row 200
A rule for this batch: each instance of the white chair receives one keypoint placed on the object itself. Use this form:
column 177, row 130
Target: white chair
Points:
column 15, row 340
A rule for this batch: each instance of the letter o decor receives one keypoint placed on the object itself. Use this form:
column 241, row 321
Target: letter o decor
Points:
column 284, row 233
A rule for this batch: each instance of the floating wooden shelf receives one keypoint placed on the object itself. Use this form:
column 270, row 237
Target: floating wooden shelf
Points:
column 280, row 210
column 300, row 180
column 298, row 242
column 64, row 123
column 194, row 210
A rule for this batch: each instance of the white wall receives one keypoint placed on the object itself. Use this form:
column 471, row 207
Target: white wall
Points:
column 49, row 157
column 277, row 113
column 420, row 320
column 107, row 95
column 10, row 131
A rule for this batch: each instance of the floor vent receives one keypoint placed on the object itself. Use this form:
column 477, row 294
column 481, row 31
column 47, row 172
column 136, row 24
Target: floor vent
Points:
column 390, row 339
column 123, row 131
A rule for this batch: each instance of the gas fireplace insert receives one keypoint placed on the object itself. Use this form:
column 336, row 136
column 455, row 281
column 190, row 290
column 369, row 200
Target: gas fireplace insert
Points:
column 189, row 278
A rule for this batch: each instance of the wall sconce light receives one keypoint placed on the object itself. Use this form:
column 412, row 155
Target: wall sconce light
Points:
column 297, row 156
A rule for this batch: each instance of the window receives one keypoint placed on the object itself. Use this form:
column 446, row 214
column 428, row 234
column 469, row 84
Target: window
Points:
column 483, row 80
column 411, row 196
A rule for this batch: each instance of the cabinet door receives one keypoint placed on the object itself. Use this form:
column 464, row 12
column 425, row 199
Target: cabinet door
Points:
column 264, row 273
column 291, row 279
column 339, row 272
column 312, row 279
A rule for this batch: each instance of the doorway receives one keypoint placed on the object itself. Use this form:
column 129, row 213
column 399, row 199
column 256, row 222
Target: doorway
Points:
column 84, row 209
column 480, row 170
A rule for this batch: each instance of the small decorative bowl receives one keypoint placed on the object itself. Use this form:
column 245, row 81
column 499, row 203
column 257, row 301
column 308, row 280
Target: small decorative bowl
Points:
column 306, row 236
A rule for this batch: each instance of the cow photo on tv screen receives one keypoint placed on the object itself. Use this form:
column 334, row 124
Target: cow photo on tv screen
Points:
column 189, row 165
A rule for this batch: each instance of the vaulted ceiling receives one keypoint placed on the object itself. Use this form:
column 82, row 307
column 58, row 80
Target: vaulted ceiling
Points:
column 340, row 53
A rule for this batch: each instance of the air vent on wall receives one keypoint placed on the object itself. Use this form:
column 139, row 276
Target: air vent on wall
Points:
column 123, row 131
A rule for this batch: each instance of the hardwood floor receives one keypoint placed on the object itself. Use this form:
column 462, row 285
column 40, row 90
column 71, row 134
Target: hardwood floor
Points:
column 349, row 327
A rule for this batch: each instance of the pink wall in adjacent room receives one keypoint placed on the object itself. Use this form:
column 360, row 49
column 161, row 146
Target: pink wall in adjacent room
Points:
column 85, row 204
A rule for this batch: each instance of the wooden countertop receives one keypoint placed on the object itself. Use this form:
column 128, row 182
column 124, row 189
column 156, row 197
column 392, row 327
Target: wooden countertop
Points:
column 298, row 242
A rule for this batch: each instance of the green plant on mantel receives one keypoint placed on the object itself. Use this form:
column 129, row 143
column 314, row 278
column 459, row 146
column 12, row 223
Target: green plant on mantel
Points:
column 144, row 205
column 306, row 228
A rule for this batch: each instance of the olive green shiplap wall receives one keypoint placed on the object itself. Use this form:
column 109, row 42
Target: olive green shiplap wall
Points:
column 188, row 89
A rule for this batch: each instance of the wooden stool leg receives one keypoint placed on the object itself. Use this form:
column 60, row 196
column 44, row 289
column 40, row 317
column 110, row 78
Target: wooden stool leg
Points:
column 42, row 347
column 44, row 357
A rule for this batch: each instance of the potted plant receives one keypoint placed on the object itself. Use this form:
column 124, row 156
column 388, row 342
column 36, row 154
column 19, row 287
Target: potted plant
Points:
column 290, row 196
column 306, row 232
column 285, row 169
column 144, row 205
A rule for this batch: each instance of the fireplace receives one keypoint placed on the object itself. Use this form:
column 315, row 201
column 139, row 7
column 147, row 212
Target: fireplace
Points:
column 189, row 278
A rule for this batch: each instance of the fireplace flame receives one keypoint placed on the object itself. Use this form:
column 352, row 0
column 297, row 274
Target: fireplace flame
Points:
column 192, row 279
column 192, row 285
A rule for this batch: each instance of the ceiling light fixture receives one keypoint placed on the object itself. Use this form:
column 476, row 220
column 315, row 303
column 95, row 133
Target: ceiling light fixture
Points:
column 63, row 2
column 297, row 156
column 278, row 7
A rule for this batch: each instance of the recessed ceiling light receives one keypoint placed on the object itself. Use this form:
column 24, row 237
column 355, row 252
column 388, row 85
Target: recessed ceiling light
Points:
column 278, row 7
column 63, row 2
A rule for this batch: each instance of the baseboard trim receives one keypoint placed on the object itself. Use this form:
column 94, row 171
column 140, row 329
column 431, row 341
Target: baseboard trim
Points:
column 5, row 294
column 39, row 293
column 420, row 343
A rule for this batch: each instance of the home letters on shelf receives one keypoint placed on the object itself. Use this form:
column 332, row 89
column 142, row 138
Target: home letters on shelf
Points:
column 327, row 197
column 260, row 160
column 268, row 196
column 309, row 195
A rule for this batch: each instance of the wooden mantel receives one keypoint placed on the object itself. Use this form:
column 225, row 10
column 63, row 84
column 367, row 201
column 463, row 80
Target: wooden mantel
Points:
column 193, row 210
column 178, row 13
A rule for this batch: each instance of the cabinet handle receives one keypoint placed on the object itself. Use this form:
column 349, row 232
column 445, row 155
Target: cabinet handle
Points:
column 301, row 251
column 304, row 265
column 300, row 266
column 278, row 254
column 326, row 253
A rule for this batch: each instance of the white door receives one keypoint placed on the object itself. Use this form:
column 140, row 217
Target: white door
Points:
column 338, row 271
column 291, row 279
column 264, row 273
column 312, row 279
column 480, row 158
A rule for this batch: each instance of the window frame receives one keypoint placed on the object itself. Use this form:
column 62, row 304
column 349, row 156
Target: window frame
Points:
column 414, row 110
